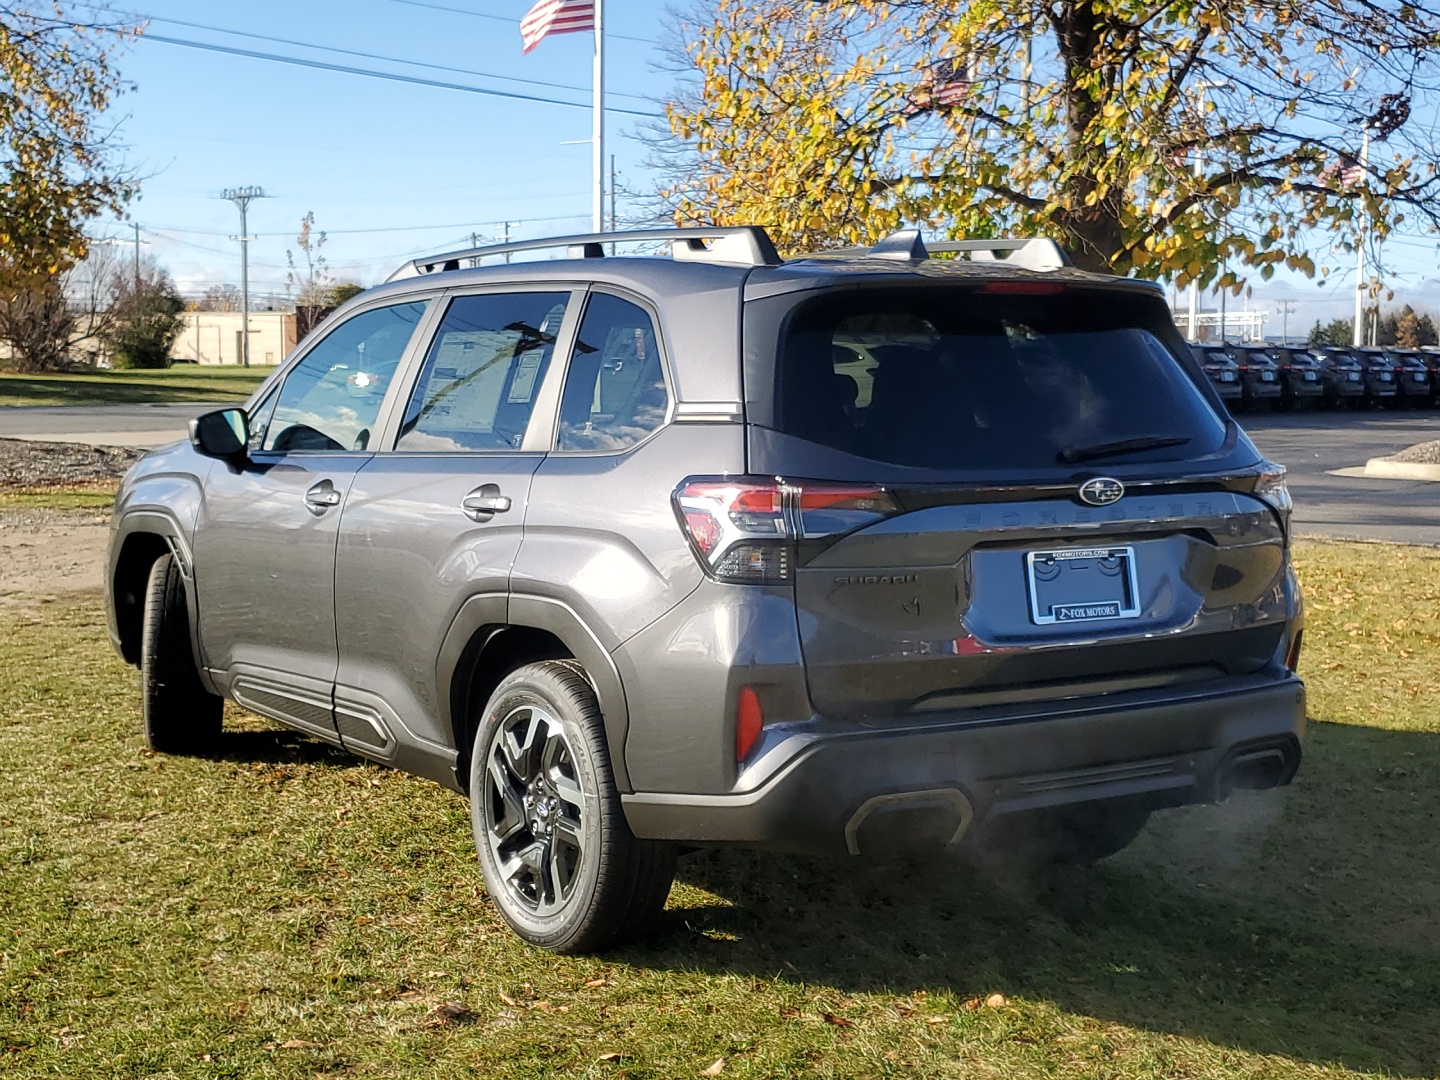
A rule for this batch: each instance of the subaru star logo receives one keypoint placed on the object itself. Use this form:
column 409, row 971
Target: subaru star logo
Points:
column 1101, row 491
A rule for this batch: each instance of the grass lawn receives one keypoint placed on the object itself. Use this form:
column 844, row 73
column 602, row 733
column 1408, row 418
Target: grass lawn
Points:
column 99, row 496
column 183, row 382
column 285, row 911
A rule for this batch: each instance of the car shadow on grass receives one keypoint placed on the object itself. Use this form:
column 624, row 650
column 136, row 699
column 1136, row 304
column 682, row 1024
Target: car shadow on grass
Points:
column 1302, row 923
column 277, row 747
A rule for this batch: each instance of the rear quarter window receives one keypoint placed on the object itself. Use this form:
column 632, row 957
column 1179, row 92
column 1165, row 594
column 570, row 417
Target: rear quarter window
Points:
column 951, row 378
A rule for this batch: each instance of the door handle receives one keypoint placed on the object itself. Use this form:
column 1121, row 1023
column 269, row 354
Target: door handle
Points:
column 321, row 497
column 485, row 502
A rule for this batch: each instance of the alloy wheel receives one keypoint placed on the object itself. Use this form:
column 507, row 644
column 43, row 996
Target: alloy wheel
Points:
column 533, row 810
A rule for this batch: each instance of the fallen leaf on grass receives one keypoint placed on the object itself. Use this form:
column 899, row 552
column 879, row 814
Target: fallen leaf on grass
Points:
column 447, row 1014
column 299, row 1044
column 612, row 1056
column 936, row 1019
column 838, row 1021
column 994, row 1001
column 505, row 998
column 787, row 1013
column 715, row 1068
column 594, row 984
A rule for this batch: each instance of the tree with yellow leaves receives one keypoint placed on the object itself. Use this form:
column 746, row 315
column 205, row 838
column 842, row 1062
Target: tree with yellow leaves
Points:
column 1168, row 138
column 58, row 166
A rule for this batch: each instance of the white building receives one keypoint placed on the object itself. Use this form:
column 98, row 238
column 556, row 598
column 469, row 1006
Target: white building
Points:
column 214, row 337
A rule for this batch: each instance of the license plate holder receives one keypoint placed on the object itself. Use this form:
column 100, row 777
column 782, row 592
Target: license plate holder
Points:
column 1074, row 585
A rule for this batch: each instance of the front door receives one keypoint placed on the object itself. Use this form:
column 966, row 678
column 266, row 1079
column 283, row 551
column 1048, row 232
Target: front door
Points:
column 435, row 523
column 264, row 549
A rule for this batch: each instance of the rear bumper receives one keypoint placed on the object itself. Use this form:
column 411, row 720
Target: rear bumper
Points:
column 945, row 778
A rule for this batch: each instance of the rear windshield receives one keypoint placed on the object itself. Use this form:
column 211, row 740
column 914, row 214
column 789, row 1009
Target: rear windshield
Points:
column 950, row 378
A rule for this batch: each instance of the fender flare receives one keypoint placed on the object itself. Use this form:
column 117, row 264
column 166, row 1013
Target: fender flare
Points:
column 167, row 527
column 555, row 617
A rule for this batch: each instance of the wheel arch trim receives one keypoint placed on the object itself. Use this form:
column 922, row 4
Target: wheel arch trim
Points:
column 527, row 611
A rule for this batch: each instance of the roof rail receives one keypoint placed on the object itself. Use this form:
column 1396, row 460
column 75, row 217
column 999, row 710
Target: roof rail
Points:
column 737, row 245
column 1036, row 253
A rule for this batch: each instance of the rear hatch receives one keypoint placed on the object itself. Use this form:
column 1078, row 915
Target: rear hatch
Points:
column 1008, row 490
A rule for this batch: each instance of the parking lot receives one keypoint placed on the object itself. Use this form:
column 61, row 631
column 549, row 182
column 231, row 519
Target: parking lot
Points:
column 1313, row 445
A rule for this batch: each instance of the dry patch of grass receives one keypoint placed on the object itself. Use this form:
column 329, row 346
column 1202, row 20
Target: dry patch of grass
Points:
column 283, row 910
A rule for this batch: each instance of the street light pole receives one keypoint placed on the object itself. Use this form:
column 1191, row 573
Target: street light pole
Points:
column 242, row 197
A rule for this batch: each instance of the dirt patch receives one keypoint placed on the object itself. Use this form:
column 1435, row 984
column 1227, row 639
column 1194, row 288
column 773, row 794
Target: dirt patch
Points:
column 1426, row 453
column 45, row 554
column 45, row 464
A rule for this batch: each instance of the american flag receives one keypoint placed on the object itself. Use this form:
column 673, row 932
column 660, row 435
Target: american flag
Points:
column 556, row 17
column 1346, row 170
column 945, row 84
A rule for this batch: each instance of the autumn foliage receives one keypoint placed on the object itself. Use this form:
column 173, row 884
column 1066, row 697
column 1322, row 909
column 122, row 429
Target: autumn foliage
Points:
column 1161, row 138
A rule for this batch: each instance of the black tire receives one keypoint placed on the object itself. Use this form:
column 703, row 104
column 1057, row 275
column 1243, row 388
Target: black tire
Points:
column 178, row 714
column 559, row 860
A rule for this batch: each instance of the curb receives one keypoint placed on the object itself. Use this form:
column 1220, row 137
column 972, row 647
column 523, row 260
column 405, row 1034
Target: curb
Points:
column 1389, row 469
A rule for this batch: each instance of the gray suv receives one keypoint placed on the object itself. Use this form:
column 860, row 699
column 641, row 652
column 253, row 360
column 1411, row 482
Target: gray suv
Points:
column 862, row 553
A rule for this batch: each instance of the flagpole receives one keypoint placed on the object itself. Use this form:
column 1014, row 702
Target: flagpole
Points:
column 1357, row 335
column 597, row 135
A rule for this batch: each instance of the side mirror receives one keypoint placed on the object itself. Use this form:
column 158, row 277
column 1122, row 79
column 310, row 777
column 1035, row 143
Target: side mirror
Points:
column 221, row 434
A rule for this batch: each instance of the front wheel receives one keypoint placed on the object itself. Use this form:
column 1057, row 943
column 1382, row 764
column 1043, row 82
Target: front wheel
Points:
column 558, row 857
column 178, row 714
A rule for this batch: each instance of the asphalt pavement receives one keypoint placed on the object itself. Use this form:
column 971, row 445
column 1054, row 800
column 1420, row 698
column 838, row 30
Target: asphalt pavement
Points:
column 101, row 425
column 1311, row 445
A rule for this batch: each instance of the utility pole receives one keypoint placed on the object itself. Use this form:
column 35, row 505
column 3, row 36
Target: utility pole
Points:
column 613, row 226
column 1287, row 308
column 507, row 239
column 1358, row 337
column 242, row 197
column 137, row 256
column 475, row 243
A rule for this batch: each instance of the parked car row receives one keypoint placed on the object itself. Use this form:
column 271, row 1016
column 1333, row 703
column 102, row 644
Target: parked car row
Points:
column 1290, row 377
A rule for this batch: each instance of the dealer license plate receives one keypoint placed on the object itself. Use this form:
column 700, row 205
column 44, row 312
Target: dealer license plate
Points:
column 1309, row 376
column 1082, row 585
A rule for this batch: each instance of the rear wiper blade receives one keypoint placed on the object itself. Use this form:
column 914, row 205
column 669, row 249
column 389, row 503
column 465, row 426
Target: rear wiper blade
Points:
column 1071, row 454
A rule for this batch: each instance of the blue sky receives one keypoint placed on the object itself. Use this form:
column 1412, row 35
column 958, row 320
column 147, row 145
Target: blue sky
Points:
column 393, row 170
column 390, row 170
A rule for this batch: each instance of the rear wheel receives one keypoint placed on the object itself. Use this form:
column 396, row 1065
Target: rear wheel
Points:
column 559, row 859
column 178, row 714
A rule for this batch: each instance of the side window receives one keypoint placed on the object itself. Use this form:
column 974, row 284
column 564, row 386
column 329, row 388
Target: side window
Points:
column 330, row 400
column 615, row 387
column 260, row 419
column 478, row 387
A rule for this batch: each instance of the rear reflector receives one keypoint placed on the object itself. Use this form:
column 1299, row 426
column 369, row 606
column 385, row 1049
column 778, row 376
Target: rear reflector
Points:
column 1292, row 655
column 749, row 719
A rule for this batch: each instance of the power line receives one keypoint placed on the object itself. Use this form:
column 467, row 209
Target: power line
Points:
column 413, row 80
column 383, row 229
column 504, row 19
column 376, row 56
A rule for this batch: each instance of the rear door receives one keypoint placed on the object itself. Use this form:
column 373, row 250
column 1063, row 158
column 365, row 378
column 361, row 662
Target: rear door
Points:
column 1054, row 507
column 434, row 522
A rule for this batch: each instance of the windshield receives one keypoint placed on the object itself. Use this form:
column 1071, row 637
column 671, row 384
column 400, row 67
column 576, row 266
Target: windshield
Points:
column 951, row 378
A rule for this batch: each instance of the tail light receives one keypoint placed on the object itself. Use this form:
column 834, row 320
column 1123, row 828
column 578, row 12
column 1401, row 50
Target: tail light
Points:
column 746, row 529
column 1270, row 487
